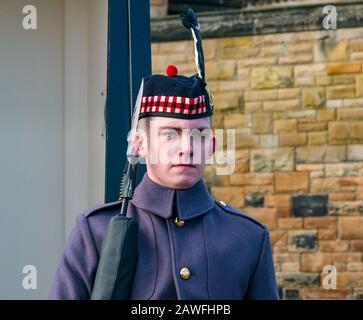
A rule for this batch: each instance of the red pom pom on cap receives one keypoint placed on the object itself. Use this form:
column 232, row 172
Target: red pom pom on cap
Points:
column 171, row 71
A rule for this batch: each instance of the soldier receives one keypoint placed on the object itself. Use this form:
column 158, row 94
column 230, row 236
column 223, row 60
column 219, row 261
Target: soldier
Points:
column 190, row 246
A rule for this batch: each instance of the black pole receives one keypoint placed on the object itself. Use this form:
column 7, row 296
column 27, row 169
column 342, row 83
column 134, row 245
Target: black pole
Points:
column 129, row 59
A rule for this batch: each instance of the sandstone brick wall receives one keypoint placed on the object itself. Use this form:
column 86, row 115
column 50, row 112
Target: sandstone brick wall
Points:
column 296, row 102
column 158, row 8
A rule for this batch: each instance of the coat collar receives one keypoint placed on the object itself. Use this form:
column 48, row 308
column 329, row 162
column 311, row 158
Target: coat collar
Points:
column 159, row 200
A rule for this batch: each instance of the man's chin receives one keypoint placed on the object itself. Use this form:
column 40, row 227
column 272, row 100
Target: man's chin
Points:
column 184, row 180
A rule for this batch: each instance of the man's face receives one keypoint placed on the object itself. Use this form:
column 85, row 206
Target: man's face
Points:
column 176, row 150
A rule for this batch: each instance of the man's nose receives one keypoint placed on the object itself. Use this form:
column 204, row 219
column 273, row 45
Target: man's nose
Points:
column 185, row 144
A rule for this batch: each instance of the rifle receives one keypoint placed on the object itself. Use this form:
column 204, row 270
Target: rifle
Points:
column 118, row 256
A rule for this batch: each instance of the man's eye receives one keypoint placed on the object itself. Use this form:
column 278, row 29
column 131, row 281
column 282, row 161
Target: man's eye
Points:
column 169, row 134
column 203, row 134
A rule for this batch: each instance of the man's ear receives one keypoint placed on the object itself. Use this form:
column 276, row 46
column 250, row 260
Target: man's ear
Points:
column 214, row 141
column 140, row 145
column 212, row 146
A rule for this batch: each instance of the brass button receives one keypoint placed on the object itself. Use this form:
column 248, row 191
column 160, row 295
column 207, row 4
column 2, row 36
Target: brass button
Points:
column 178, row 222
column 184, row 273
column 223, row 203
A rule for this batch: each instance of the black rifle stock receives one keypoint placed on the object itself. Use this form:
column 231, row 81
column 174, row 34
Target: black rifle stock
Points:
column 118, row 256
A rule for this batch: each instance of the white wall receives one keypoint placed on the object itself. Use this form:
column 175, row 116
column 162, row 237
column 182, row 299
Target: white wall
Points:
column 85, row 81
column 51, row 121
column 97, row 82
column 32, row 145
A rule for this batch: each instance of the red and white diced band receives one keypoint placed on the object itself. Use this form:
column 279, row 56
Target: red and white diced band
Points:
column 174, row 104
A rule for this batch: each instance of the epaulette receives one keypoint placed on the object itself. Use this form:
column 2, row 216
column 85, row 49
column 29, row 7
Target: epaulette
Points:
column 100, row 207
column 226, row 207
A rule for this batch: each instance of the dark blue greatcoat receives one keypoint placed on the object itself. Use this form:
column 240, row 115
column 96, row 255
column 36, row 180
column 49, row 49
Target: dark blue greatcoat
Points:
column 226, row 253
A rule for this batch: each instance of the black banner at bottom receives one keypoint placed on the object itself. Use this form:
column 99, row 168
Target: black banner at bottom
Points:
column 223, row 310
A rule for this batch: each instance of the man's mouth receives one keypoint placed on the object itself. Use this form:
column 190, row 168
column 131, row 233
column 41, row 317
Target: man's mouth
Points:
column 183, row 165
